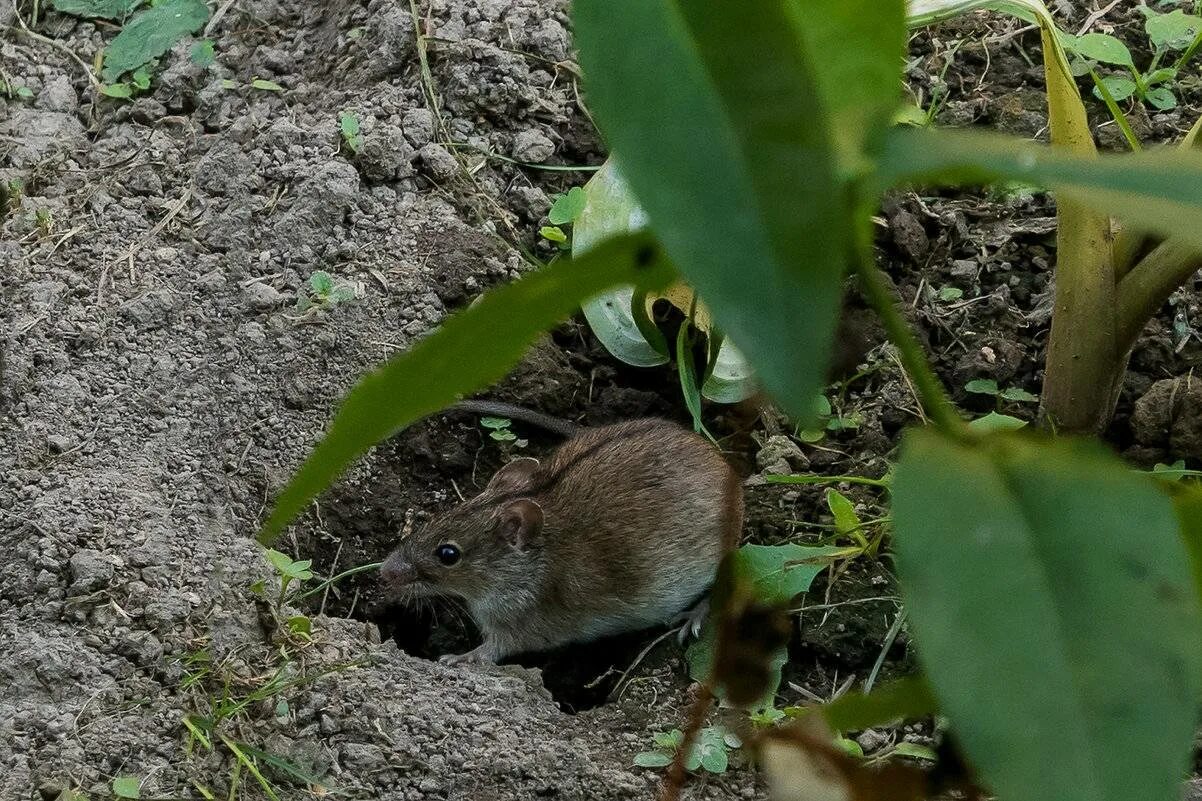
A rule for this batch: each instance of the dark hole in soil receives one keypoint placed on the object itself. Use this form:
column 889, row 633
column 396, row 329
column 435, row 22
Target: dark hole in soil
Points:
column 580, row 676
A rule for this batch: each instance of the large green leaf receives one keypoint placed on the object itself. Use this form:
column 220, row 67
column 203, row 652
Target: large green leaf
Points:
column 714, row 117
column 1160, row 191
column 470, row 350
column 151, row 33
column 857, row 46
column 1052, row 605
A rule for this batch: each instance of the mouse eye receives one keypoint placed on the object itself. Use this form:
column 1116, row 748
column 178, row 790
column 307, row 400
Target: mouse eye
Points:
column 447, row 553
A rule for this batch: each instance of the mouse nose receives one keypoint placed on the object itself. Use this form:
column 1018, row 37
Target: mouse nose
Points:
column 397, row 571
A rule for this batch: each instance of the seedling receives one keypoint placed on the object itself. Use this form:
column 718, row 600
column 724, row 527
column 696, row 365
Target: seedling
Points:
column 264, row 85
column 348, row 126
column 1174, row 32
column 988, row 386
column 324, row 293
column 499, row 430
column 288, row 571
column 829, row 422
column 44, row 221
column 564, row 211
column 710, row 752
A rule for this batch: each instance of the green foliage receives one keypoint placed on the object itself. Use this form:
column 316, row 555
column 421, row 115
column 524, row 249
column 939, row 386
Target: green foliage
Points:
column 203, row 54
column 127, row 787
column 97, row 9
column 567, row 207
column 324, row 293
column 1039, row 595
column 758, row 126
column 265, row 85
column 710, row 752
column 778, row 574
column 988, row 386
column 150, row 33
column 499, row 430
column 828, row 422
column 1167, row 32
column 348, row 126
column 287, row 572
column 471, row 349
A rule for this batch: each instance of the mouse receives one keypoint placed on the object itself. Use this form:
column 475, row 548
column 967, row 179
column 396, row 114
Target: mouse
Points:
column 621, row 528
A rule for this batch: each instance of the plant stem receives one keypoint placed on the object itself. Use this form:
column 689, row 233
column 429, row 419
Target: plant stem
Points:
column 1117, row 113
column 334, row 579
column 930, row 390
column 1148, row 285
column 796, row 479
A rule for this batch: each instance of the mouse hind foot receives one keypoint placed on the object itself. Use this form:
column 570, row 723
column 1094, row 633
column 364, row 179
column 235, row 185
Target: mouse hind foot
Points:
column 691, row 620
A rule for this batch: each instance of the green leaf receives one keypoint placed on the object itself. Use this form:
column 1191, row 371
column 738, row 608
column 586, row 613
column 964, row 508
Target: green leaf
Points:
column 127, row 787
column 743, row 192
column 652, row 759
column 503, row 435
column 1051, row 600
column 902, row 699
column 203, row 54
column 950, row 293
column 914, row 751
column 300, row 624
column 552, row 234
column 117, row 90
column 778, row 573
column 471, row 349
column 714, row 758
column 567, row 207
column 617, row 316
column 982, row 386
column 1099, row 47
column 669, row 740
column 266, row 85
column 858, row 45
column 1154, row 190
column 1018, row 395
column 1161, row 97
column 348, row 125
column 1175, row 30
column 687, row 373
column 97, row 9
column 495, row 423
column 996, row 422
column 321, row 282
column 1119, row 86
column 281, row 708
column 1172, row 472
column 1161, row 75
column 847, row 522
column 140, row 79
column 850, row 747
column 24, row 92
column 151, row 33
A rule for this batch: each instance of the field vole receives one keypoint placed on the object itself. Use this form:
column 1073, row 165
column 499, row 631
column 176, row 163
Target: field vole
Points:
column 621, row 528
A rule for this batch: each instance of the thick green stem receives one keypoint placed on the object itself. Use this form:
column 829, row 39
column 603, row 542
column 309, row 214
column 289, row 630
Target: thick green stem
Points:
column 930, row 390
column 1144, row 290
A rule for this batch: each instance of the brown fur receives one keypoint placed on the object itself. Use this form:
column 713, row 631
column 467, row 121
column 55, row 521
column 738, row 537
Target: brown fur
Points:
column 634, row 519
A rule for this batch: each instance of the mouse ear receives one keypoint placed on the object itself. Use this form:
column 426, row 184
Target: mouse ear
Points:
column 514, row 476
column 521, row 522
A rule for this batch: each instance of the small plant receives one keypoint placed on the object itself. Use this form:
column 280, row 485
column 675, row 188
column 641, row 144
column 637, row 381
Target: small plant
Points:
column 565, row 209
column 288, row 571
column 324, row 293
column 1174, row 32
column 829, row 422
column 264, row 85
column 988, row 386
column 43, row 220
column 499, row 430
column 710, row 752
column 348, row 126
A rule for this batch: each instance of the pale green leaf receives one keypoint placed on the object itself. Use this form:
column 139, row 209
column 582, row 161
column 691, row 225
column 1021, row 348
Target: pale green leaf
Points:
column 150, row 33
